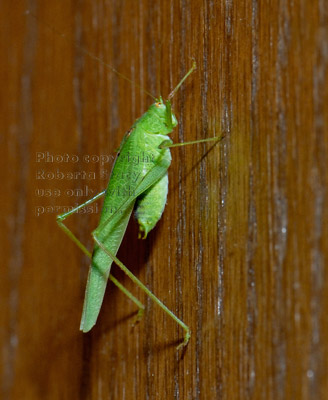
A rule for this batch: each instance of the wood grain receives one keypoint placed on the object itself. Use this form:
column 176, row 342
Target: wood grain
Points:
column 241, row 251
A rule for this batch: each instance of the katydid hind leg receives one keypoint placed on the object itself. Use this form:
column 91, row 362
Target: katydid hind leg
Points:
column 147, row 181
column 71, row 235
column 147, row 291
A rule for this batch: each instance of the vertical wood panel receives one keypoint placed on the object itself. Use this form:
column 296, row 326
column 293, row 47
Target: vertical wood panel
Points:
column 241, row 251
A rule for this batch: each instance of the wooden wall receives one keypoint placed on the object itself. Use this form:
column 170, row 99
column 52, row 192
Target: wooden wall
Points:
column 241, row 251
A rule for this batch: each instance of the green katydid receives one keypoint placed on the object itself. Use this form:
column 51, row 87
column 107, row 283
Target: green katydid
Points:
column 146, row 194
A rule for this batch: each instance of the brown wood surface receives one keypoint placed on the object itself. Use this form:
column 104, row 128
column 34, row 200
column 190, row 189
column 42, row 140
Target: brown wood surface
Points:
column 241, row 251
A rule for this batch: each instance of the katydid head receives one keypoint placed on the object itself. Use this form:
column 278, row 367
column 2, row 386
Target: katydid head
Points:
column 164, row 116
